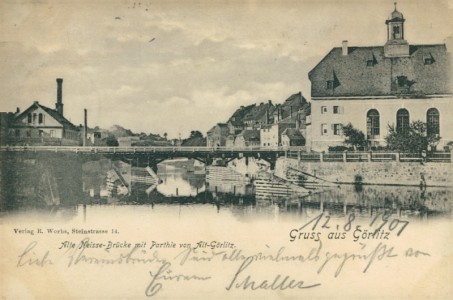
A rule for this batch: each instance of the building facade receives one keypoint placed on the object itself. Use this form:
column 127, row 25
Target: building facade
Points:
column 217, row 135
column 376, row 87
column 39, row 124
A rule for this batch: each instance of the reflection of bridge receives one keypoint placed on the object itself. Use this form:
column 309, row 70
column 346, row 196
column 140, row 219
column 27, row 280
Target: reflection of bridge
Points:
column 151, row 156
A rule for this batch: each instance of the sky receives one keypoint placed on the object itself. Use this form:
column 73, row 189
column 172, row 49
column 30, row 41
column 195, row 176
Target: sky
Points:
column 177, row 66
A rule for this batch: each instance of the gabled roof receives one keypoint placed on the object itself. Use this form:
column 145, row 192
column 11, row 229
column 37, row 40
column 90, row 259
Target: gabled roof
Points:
column 220, row 125
column 293, row 134
column 53, row 113
column 259, row 111
column 240, row 114
column 365, row 71
column 250, row 135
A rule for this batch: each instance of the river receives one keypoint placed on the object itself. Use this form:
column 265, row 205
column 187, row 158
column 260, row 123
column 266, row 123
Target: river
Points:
column 179, row 190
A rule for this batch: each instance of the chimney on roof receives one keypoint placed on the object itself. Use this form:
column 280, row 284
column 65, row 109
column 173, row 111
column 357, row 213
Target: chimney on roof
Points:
column 59, row 104
column 17, row 110
column 345, row 47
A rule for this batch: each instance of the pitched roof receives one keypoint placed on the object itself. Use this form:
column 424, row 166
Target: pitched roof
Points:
column 259, row 111
column 250, row 135
column 240, row 113
column 52, row 112
column 219, row 125
column 365, row 71
column 293, row 134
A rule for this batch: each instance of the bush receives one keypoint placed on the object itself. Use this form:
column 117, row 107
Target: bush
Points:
column 340, row 148
column 414, row 139
column 354, row 137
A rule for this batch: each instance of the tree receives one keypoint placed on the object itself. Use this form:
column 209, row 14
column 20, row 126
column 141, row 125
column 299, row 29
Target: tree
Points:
column 414, row 139
column 354, row 137
column 165, row 135
column 111, row 141
column 195, row 134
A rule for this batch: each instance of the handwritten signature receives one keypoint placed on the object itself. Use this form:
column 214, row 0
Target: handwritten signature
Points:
column 244, row 275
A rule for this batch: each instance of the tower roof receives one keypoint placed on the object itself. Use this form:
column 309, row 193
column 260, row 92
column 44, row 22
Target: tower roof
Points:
column 395, row 16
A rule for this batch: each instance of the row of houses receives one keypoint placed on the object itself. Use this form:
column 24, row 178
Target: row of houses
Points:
column 371, row 87
column 264, row 125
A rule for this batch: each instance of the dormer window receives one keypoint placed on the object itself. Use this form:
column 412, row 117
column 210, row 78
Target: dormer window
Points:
column 371, row 60
column 329, row 84
column 428, row 59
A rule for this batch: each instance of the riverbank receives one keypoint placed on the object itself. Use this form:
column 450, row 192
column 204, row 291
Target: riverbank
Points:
column 379, row 173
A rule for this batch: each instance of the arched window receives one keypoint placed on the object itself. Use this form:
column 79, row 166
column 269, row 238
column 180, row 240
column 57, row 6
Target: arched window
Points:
column 34, row 118
column 372, row 124
column 29, row 118
column 402, row 121
column 40, row 118
column 432, row 121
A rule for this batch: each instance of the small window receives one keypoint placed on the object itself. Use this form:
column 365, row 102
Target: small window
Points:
column 41, row 118
column 428, row 59
column 29, row 118
column 28, row 133
column 338, row 109
column 337, row 129
column 323, row 109
column 329, row 84
column 369, row 63
column 52, row 133
column 324, row 129
column 17, row 133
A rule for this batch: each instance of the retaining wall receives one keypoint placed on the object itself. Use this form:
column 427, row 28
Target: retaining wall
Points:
column 388, row 173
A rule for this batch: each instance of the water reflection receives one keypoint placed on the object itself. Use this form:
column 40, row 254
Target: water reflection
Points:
column 177, row 189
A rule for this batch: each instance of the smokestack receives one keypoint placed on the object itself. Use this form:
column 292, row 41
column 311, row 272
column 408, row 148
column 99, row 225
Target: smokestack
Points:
column 345, row 47
column 85, row 127
column 59, row 104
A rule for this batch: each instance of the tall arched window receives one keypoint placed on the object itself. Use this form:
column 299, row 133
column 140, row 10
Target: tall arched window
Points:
column 29, row 118
column 372, row 123
column 402, row 121
column 432, row 121
column 40, row 118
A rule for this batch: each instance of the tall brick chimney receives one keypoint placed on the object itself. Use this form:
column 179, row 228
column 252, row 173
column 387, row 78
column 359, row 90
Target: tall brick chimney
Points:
column 59, row 104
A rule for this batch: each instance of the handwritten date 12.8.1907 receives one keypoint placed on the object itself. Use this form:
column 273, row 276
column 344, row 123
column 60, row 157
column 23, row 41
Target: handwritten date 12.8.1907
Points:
column 378, row 224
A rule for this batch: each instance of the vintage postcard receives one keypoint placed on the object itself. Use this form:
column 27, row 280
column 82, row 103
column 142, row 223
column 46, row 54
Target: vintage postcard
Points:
column 226, row 149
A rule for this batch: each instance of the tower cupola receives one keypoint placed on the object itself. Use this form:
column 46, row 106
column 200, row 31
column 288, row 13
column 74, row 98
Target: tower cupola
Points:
column 396, row 45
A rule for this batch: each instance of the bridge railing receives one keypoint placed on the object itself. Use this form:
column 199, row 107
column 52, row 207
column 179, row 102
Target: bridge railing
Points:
column 292, row 152
column 371, row 156
column 166, row 149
